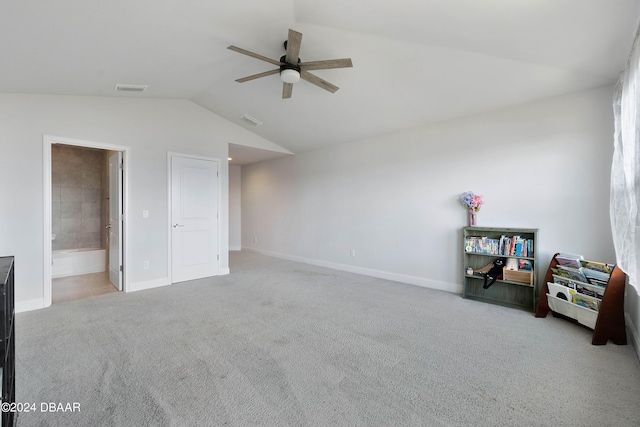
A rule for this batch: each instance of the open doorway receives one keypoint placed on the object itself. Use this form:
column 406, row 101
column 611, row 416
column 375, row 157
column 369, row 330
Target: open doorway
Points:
column 85, row 243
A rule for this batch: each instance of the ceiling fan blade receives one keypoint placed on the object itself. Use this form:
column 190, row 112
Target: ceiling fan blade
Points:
column 287, row 90
column 327, row 64
column 254, row 55
column 293, row 46
column 311, row 78
column 257, row 76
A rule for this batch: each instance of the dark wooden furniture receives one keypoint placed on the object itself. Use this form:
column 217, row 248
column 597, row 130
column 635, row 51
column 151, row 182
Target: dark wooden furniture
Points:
column 7, row 338
column 610, row 318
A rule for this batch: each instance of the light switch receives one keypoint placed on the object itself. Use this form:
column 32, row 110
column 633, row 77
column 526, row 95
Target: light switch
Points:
column 145, row 214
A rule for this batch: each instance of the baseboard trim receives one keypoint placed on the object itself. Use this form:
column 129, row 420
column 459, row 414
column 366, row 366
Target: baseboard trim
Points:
column 149, row 284
column 633, row 335
column 402, row 278
column 34, row 304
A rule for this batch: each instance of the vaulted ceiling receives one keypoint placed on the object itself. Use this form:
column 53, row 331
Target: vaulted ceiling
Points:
column 414, row 61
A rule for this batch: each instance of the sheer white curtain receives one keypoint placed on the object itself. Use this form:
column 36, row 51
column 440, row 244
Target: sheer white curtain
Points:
column 625, row 170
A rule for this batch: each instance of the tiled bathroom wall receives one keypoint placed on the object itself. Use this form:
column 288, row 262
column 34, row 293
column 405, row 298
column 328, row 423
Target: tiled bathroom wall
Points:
column 77, row 197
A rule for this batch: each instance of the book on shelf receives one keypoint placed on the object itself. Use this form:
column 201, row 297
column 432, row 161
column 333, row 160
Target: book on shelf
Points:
column 602, row 267
column 525, row 265
column 564, row 281
column 569, row 255
column 511, row 264
column 598, row 282
column 585, row 301
column 570, row 273
column 559, row 291
column 580, row 287
column 518, row 250
column 595, row 276
column 569, row 260
column 590, row 290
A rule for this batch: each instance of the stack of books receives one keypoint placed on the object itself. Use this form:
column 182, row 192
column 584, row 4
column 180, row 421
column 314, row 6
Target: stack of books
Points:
column 505, row 245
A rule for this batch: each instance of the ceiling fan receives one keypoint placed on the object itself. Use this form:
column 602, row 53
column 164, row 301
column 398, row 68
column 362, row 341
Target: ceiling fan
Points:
column 291, row 69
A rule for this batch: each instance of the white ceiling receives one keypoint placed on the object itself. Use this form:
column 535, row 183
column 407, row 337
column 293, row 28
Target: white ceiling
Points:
column 415, row 61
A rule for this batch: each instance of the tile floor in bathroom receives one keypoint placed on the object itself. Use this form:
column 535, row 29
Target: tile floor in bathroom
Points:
column 78, row 287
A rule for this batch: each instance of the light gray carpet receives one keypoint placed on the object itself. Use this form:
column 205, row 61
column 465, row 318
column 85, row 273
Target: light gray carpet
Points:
column 279, row 343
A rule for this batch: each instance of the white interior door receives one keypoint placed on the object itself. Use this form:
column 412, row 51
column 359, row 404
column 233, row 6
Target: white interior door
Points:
column 115, row 220
column 194, row 219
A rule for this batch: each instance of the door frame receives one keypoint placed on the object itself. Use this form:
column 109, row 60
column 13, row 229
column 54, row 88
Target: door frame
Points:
column 115, row 174
column 170, row 156
column 47, row 142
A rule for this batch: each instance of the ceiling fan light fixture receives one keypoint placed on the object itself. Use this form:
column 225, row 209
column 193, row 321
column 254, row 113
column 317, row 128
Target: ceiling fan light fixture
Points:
column 290, row 75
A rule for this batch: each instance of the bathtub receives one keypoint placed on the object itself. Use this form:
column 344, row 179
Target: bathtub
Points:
column 71, row 262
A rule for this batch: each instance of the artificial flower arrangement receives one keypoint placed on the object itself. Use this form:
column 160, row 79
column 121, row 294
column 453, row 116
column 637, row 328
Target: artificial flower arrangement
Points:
column 472, row 202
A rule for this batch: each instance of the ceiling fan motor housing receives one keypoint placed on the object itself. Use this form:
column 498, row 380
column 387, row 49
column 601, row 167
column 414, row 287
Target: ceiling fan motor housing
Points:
column 289, row 73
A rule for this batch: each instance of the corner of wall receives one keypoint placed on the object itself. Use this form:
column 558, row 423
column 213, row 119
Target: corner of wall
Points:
column 632, row 333
column 632, row 316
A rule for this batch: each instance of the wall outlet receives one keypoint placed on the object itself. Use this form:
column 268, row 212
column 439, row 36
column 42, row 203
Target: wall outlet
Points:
column 255, row 239
column 353, row 252
column 145, row 214
column 145, row 265
column 53, row 236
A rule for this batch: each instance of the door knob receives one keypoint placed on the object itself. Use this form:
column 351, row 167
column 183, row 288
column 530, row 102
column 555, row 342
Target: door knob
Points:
column 178, row 225
column 107, row 226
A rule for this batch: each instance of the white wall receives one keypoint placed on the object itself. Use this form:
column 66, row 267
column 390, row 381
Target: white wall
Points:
column 149, row 127
column 395, row 198
column 235, row 208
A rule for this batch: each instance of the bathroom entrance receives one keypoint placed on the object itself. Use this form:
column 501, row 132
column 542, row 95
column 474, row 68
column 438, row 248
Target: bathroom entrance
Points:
column 86, row 227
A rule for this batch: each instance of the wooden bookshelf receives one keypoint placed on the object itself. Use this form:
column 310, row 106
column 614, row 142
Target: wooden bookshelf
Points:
column 517, row 289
